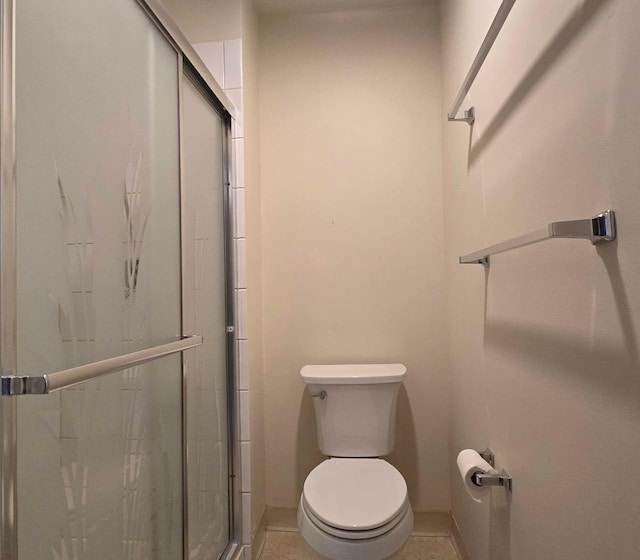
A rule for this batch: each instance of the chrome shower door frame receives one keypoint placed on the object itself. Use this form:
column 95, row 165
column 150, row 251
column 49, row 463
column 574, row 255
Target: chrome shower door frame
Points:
column 8, row 282
column 190, row 71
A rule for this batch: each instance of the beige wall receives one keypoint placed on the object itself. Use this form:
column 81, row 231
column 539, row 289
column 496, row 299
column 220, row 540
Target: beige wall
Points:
column 544, row 346
column 254, row 256
column 352, row 228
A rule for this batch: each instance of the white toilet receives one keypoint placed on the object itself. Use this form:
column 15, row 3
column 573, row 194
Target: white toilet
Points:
column 354, row 505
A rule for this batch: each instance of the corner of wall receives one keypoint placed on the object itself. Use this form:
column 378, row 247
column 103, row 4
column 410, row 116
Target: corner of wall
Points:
column 253, row 207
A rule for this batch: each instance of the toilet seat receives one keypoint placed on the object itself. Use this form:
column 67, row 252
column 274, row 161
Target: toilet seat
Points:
column 351, row 534
column 355, row 498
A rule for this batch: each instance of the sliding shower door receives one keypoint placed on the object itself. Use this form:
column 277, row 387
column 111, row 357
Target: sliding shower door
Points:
column 103, row 261
column 98, row 275
column 206, row 309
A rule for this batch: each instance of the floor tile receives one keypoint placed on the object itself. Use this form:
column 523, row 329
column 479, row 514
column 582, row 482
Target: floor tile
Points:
column 285, row 545
column 289, row 545
column 429, row 548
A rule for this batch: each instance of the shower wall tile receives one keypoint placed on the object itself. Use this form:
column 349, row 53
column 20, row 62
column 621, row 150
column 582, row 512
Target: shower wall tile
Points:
column 232, row 168
column 241, row 264
column 244, row 416
column 237, row 126
column 238, row 151
column 245, row 460
column 246, row 518
column 241, row 314
column 212, row 54
column 233, row 63
column 239, row 213
column 243, row 370
column 232, row 51
column 235, row 96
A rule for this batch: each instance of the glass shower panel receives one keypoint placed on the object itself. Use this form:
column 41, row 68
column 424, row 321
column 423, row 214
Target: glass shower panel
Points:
column 204, row 312
column 99, row 464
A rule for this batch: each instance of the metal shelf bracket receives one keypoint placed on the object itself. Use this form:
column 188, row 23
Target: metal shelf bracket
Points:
column 469, row 116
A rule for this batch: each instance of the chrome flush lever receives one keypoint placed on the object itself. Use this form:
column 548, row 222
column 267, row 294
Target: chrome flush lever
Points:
column 321, row 395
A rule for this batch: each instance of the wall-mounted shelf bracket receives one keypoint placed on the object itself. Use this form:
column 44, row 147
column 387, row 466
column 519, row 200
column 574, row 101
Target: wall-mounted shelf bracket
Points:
column 488, row 456
column 469, row 116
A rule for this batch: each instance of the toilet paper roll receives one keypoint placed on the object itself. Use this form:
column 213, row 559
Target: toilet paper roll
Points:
column 470, row 463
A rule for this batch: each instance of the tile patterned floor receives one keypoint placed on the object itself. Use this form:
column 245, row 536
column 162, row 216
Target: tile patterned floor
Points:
column 289, row 545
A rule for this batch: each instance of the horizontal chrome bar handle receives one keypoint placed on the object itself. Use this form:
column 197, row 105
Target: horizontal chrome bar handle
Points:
column 321, row 395
column 599, row 229
column 50, row 382
column 502, row 479
column 487, row 43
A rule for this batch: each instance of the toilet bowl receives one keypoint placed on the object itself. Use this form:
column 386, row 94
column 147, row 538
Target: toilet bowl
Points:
column 355, row 509
column 354, row 505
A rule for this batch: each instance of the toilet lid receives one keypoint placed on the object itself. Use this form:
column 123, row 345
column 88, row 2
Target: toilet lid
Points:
column 355, row 494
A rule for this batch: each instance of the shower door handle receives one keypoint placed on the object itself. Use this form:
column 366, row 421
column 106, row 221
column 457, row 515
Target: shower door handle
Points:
column 49, row 382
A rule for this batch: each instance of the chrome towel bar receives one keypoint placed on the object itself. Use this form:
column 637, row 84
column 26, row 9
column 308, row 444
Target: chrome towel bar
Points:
column 487, row 43
column 49, row 382
column 599, row 229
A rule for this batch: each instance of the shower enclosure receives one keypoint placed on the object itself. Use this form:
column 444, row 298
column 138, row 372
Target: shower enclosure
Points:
column 116, row 323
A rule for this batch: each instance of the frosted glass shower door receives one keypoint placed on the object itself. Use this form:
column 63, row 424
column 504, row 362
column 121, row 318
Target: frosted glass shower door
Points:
column 98, row 276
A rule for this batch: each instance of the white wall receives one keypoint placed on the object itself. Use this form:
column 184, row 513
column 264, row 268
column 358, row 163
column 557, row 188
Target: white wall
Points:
column 544, row 346
column 352, row 240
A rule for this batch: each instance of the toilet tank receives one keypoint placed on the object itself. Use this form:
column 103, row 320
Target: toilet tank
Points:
column 357, row 416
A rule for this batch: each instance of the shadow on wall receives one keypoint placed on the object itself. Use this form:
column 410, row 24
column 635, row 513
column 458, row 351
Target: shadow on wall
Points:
column 605, row 365
column 614, row 366
column 500, row 525
column 307, row 455
column 404, row 457
column 610, row 258
column 581, row 16
column 405, row 454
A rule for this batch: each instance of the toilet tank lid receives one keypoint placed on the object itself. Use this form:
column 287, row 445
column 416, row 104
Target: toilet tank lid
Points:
column 353, row 374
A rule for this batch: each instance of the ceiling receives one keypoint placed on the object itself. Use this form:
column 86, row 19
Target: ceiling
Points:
column 271, row 6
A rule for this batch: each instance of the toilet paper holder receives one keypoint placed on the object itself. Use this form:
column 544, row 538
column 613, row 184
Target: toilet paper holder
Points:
column 502, row 479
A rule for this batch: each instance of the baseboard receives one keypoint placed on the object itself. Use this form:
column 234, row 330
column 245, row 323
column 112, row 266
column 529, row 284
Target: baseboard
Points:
column 456, row 538
column 282, row 519
column 431, row 524
column 259, row 536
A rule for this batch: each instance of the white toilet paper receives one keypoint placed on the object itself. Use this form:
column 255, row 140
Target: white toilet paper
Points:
column 470, row 463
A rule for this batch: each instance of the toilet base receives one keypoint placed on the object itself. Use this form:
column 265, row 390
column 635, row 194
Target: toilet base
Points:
column 328, row 547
